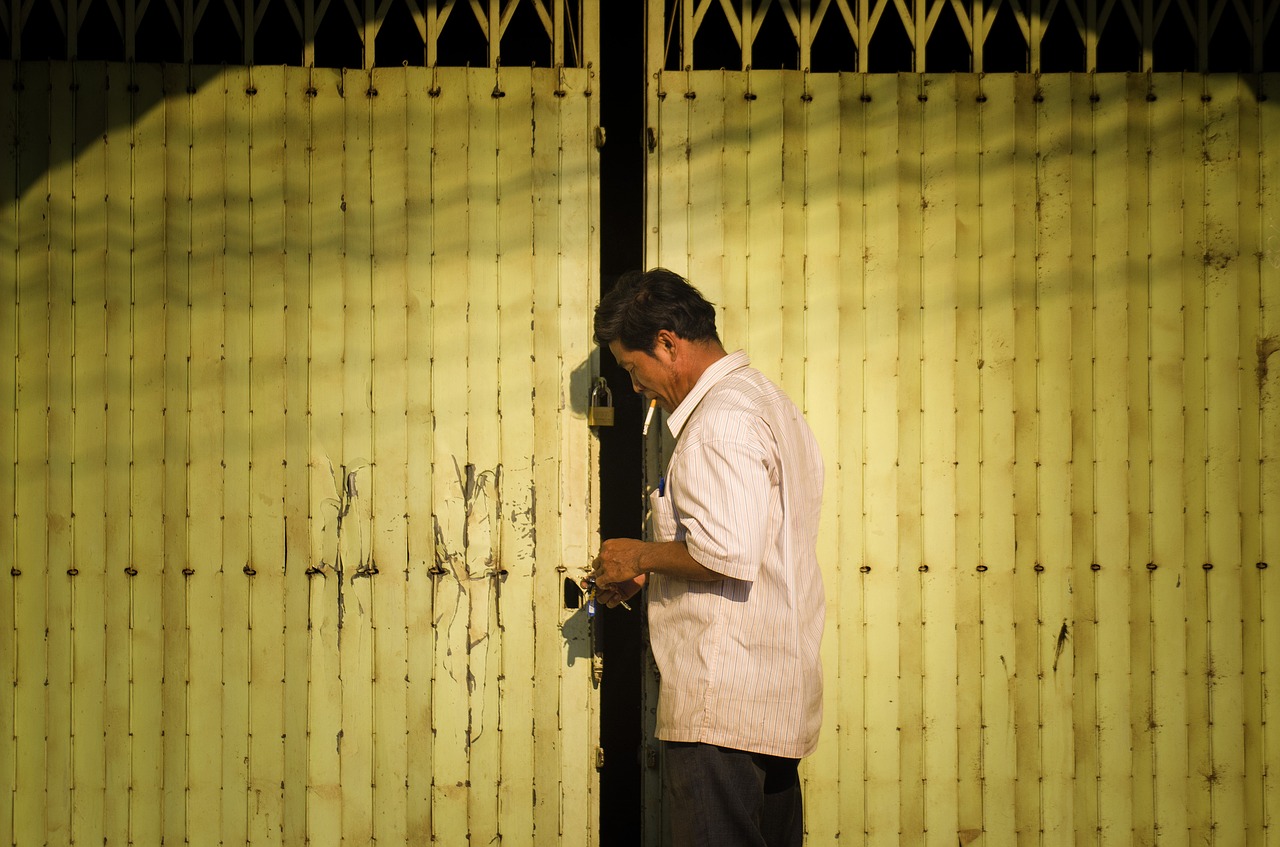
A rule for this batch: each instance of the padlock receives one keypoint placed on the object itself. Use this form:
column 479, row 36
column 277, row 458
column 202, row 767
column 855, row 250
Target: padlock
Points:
column 600, row 409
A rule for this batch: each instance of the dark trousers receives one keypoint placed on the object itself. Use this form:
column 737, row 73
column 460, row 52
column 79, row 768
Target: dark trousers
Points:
column 718, row 797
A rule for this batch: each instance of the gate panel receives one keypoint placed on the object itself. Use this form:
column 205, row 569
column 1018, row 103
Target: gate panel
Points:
column 1267, row 367
column 1022, row 314
column 822, row 376
column 298, row 453
column 940, row 241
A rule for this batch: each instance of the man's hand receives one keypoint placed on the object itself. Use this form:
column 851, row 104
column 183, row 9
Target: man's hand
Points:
column 616, row 594
column 615, row 574
column 625, row 563
column 620, row 560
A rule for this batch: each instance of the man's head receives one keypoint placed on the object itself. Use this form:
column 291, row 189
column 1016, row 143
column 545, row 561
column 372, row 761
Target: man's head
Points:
column 661, row 331
column 643, row 302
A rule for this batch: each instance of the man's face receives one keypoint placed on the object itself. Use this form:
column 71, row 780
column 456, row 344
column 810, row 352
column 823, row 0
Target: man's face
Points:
column 652, row 374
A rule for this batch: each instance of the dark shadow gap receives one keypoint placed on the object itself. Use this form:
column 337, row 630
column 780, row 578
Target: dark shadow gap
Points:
column 622, row 181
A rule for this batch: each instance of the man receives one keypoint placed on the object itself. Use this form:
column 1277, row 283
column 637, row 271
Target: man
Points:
column 735, row 595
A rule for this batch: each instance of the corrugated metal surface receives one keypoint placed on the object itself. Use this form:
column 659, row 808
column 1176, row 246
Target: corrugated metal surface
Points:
column 295, row 365
column 1033, row 321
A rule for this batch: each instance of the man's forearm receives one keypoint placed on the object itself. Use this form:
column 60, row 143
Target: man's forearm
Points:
column 623, row 559
column 672, row 558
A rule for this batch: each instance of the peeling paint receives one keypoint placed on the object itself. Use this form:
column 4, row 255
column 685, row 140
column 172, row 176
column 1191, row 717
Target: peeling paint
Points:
column 1063, row 635
column 347, row 486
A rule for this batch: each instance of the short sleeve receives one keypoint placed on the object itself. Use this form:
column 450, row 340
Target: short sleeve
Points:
column 722, row 499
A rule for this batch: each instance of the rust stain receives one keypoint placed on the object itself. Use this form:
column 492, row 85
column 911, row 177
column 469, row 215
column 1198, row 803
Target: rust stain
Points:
column 1266, row 346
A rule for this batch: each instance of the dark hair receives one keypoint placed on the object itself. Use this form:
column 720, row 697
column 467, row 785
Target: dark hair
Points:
column 643, row 302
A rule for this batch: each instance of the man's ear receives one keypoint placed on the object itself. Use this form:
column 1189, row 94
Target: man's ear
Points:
column 666, row 341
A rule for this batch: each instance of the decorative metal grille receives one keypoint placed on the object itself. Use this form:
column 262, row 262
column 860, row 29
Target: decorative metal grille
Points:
column 966, row 35
column 333, row 33
column 1238, row 36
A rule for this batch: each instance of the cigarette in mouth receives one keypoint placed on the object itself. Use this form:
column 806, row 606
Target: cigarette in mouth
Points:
column 648, row 417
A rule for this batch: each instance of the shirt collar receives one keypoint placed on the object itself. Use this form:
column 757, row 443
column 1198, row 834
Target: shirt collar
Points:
column 717, row 371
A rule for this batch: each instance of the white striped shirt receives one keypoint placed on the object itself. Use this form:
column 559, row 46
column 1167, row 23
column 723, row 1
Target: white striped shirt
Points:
column 739, row 657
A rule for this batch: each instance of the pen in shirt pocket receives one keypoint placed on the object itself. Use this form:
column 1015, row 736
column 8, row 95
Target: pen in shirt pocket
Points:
column 662, row 486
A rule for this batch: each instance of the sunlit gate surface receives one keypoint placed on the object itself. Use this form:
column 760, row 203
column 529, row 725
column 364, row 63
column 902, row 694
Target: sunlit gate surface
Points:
column 1033, row 320
column 295, row 456
column 296, row 460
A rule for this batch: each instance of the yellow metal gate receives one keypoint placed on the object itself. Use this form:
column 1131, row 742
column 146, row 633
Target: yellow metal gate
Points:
column 295, row 362
column 296, row 466
column 1033, row 321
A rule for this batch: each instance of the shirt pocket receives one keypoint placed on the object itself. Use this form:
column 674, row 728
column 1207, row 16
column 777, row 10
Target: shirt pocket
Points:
column 663, row 517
